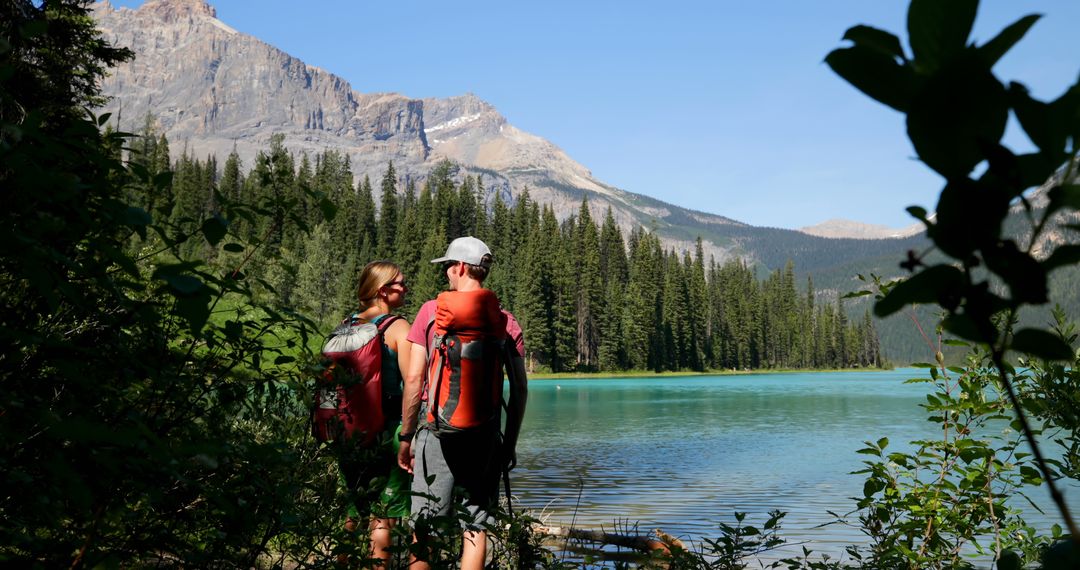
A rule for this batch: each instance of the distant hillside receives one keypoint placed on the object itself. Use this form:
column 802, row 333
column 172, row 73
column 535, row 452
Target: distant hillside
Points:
column 838, row 228
column 900, row 338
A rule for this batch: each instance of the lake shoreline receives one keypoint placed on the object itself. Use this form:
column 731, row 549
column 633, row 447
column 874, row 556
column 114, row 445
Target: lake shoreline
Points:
column 686, row 373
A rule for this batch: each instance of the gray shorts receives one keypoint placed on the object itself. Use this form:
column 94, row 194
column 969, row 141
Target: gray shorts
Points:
column 465, row 461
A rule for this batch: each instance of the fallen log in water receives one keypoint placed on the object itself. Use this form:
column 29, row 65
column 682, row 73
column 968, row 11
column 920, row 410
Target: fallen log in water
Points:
column 658, row 541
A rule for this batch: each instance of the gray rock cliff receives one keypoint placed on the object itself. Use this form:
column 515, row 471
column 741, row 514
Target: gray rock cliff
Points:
column 211, row 87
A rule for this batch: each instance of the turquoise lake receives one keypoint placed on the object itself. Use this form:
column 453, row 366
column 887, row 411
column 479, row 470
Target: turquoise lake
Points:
column 684, row 453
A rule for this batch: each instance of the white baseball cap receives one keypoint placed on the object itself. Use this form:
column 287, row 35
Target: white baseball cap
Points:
column 467, row 249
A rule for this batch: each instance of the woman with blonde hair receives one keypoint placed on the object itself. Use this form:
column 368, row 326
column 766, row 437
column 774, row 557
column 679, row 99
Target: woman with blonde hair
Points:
column 376, row 484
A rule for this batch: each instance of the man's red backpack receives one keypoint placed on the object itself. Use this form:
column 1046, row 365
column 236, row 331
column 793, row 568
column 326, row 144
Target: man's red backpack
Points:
column 348, row 397
column 465, row 362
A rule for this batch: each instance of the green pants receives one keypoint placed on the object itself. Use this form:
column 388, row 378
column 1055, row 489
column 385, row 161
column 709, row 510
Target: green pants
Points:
column 376, row 485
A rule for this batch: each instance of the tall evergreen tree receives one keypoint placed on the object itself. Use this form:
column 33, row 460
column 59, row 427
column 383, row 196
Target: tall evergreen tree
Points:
column 160, row 159
column 564, row 357
column 482, row 228
column 590, row 289
column 464, row 212
column 309, row 185
column 498, row 240
column 317, row 276
column 410, row 234
column 612, row 250
column 231, row 177
column 366, row 233
column 430, row 279
column 698, row 300
column 275, row 180
column 388, row 215
column 536, row 310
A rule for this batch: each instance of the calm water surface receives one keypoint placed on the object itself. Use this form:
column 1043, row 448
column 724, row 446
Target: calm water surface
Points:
column 683, row 453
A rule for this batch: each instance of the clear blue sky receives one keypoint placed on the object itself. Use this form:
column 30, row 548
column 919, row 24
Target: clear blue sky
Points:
column 719, row 106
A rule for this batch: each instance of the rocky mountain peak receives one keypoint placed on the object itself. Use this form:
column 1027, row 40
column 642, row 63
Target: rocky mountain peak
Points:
column 215, row 90
column 173, row 10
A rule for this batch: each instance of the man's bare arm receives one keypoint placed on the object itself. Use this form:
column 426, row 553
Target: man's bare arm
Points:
column 410, row 405
column 519, row 396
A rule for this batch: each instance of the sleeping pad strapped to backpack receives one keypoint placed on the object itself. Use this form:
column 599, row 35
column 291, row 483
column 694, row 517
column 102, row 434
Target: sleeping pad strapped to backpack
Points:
column 348, row 399
column 465, row 365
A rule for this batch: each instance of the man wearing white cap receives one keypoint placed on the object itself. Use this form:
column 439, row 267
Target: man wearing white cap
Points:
column 450, row 430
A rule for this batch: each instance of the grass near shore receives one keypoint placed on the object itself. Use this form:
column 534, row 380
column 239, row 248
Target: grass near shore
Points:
column 653, row 374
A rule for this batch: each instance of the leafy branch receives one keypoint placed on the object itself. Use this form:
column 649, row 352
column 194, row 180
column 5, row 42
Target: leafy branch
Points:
column 956, row 111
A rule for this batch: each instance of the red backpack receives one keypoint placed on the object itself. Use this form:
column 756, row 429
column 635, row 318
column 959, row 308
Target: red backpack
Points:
column 348, row 397
column 465, row 363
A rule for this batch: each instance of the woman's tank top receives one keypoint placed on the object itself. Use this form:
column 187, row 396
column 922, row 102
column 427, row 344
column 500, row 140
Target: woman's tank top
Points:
column 392, row 381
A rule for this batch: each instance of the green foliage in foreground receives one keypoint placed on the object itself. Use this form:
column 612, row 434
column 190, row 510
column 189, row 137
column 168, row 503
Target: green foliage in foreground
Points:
column 138, row 426
column 956, row 111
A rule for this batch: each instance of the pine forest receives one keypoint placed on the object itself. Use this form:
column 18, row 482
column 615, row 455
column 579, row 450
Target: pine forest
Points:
column 588, row 297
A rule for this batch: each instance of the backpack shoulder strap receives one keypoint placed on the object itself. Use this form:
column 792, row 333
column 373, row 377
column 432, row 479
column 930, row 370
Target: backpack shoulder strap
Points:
column 427, row 337
column 385, row 322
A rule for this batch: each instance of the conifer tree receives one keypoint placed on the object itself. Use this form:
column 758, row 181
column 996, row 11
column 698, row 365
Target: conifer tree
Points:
column 274, row 179
column 444, row 198
column 804, row 327
column 612, row 349
column 537, row 309
column 231, row 177
column 333, row 179
column 365, row 222
column 280, row 278
column 346, row 276
column 840, row 333
column 307, row 179
column 317, row 276
column 514, row 234
column 425, row 208
column 590, row 291
column 151, row 151
column 720, row 334
column 642, row 313
column 676, row 314
column 498, row 240
column 564, row 357
column 160, row 159
column 872, row 342
column 481, row 229
column 388, row 214
column 612, row 251
column 430, row 279
column 209, row 181
column 699, row 325
column 464, row 212
column 186, row 200
column 143, row 150
column 410, row 235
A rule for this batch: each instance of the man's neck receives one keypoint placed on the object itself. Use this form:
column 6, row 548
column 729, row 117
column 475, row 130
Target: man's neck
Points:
column 466, row 284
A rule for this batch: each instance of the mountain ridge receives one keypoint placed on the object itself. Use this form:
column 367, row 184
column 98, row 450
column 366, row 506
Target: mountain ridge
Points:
column 842, row 228
column 213, row 89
